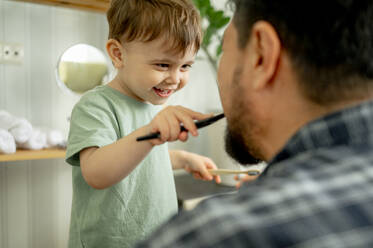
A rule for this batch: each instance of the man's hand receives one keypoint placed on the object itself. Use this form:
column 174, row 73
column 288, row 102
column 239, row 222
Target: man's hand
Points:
column 244, row 178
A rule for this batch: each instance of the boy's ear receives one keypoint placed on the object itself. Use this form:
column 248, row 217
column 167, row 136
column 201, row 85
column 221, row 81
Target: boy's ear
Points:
column 114, row 50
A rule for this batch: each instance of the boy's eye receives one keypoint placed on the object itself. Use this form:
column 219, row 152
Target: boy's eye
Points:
column 186, row 67
column 163, row 65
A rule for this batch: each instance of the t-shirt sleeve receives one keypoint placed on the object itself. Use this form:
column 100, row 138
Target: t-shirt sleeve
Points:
column 92, row 124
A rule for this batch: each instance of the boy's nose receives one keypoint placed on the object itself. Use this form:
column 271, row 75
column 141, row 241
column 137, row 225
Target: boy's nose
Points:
column 174, row 77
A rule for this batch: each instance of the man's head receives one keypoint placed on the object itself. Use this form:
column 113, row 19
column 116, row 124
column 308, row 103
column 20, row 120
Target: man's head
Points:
column 152, row 43
column 315, row 54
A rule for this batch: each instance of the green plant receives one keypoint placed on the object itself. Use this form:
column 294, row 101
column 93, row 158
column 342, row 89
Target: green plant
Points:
column 213, row 21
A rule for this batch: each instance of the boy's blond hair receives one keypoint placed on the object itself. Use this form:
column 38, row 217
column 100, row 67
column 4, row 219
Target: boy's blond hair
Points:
column 146, row 20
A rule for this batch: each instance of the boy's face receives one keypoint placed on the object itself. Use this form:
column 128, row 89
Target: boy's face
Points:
column 151, row 73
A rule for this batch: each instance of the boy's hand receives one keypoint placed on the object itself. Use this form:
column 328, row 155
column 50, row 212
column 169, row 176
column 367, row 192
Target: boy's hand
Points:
column 198, row 166
column 167, row 123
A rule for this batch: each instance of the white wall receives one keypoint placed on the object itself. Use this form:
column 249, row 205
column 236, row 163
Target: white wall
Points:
column 35, row 196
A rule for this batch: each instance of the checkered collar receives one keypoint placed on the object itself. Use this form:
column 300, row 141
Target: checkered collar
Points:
column 350, row 126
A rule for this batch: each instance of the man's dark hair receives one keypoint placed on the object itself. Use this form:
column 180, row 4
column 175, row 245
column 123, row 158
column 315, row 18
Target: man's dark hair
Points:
column 330, row 42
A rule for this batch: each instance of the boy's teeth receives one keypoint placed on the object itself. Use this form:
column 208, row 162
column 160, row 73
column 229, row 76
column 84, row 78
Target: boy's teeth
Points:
column 163, row 92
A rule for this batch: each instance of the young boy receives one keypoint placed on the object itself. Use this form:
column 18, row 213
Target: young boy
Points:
column 124, row 189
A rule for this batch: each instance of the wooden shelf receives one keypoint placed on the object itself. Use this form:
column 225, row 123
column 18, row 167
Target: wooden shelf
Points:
column 93, row 5
column 33, row 154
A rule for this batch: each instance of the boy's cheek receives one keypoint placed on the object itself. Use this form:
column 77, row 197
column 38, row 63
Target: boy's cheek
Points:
column 181, row 85
column 184, row 80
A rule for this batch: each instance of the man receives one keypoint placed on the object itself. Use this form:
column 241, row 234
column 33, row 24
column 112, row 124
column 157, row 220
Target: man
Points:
column 295, row 79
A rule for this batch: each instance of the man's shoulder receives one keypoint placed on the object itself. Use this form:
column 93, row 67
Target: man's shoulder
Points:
column 317, row 199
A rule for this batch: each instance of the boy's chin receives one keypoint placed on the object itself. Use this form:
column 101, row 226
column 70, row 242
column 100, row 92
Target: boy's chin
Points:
column 158, row 101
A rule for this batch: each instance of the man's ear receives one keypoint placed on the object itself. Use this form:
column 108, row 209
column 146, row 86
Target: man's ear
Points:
column 114, row 50
column 265, row 49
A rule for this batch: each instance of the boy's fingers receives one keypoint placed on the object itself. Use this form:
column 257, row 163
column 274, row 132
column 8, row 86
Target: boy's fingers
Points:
column 168, row 124
column 210, row 164
column 174, row 128
column 197, row 175
column 217, row 179
column 187, row 122
column 197, row 115
column 163, row 129
column 187, row 117
column 192, row 115
column 205, row 174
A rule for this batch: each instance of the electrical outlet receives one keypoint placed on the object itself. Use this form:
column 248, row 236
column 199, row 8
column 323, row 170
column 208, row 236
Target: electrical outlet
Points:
column 11, row 53
column 17, row 53
column 7, row 51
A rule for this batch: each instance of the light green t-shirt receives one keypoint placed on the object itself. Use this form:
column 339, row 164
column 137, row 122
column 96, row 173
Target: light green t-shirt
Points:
column 127, row 212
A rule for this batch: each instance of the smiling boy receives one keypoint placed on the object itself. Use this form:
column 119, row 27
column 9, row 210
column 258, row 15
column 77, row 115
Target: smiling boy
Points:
column 124, row 189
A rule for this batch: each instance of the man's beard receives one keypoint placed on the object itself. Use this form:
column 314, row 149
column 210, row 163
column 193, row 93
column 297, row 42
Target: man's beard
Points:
column 238, row 150
column 244, row 152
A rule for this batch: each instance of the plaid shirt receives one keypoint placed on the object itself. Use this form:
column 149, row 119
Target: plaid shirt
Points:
column 317, row 192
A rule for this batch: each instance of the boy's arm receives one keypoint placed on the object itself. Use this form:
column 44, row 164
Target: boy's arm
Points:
column 193, row 163
column 105, row 166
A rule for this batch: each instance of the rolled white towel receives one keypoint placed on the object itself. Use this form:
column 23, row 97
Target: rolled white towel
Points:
column 7, row 143
column 7, row 120
column 38, row 140
column 55, row 138
column 21, row 131
column 20, row 128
